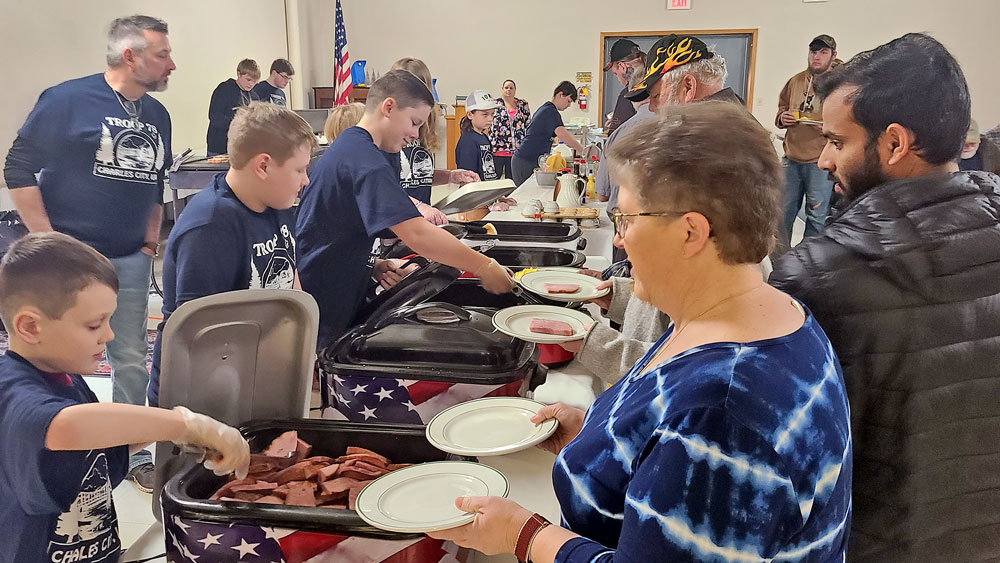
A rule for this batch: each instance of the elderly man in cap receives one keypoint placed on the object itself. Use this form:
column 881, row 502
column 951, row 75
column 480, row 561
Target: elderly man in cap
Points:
column 798, row 114
column 626, row 60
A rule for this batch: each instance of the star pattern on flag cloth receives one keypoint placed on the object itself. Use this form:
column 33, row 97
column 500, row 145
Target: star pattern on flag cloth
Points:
column 210, row 540
column 384, row 394
column 246, row 548
column 195, row 541
column 369, row 413
column 359, row 389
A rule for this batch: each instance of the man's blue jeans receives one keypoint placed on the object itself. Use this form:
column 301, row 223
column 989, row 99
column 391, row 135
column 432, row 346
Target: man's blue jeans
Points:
column 127, row 352
column 805, row 180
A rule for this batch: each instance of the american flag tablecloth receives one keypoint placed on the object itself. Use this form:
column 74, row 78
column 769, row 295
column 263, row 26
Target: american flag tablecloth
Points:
column 402, row 401
column 194, row 541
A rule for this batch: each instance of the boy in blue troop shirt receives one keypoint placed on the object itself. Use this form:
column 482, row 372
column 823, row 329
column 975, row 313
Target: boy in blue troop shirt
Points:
column 238, row 233
column 63, row 451
column 354, row 196
column 227, row 96
column 272, row 89
column 544, row 125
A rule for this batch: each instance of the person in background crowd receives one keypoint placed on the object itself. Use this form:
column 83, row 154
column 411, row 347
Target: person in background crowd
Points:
column 342, row 118
column 625, row 60
column 473, row 151
column 906, row 281
column 101, row 147
column 993, row 135
column 239, row 232
column 229, row 95
column 417, row 171
column 604, row 350
column 804, row 142
column 730, row 439
column 979, row 153
column 509, row 126
column 272, row 89
column 544, row 125
column 353, row 197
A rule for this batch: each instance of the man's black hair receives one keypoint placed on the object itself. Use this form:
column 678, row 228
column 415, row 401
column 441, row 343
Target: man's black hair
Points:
column 913, row 81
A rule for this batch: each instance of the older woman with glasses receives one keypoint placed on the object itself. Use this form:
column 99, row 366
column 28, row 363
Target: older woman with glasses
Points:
column 729, row 440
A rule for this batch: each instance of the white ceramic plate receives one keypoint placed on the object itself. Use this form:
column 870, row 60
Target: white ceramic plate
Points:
column 421, row 498
column 514, row 321
column 535, row 283
column 490, row 426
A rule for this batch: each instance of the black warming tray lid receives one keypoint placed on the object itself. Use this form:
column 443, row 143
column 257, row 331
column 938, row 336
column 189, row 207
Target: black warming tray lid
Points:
column 432, row 342
column 525, row 231
column 187, row 494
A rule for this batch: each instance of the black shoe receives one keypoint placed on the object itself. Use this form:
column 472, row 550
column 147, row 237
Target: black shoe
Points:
column 143, row 476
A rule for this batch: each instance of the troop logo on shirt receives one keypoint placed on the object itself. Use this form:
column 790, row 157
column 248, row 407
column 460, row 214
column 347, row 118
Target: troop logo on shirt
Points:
column 278, row 99
column 134, row 152
column 88, row 531
column 272, row 262
column 489, row 168
column 418, row 169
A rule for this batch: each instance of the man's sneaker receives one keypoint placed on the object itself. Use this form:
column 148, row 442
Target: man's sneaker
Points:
column 143, row 476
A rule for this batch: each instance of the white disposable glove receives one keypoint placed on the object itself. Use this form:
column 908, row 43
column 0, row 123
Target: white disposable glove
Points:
column 226, row 449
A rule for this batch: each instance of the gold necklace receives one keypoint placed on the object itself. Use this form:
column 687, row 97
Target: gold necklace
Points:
column 678, row 331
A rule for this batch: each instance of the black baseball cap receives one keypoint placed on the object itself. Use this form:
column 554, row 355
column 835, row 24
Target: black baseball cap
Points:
column 621, row 50
column 823, row 42
column 668, row 53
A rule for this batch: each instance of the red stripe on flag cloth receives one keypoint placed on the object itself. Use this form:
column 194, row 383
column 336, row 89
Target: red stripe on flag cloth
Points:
column 301, row 546
column 423, row 390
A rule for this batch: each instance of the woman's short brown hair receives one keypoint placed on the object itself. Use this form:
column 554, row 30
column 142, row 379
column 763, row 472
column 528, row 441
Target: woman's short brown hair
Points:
column 713, row 158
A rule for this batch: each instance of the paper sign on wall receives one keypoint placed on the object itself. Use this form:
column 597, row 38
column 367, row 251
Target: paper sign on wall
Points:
column 678, row 4
column 584, row 77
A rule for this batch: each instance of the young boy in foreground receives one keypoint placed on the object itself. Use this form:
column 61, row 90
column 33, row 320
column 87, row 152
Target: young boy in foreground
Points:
column 63, row 451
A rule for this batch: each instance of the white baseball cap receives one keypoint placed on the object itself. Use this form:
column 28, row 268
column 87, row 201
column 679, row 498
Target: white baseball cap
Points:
column 481, row 100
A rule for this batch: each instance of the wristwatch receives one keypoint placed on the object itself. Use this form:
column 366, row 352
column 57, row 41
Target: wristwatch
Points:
column 526, row 536
column 154, row 246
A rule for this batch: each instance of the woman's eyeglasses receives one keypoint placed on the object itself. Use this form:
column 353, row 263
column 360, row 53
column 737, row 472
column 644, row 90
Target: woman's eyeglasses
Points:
column 621, row 224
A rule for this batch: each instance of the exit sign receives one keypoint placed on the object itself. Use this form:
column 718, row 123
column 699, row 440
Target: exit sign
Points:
column 678, row 4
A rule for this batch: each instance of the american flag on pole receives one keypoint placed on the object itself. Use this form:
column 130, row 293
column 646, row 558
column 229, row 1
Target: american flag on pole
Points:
column 405, row 401
column 194, row 541
column 342, row 62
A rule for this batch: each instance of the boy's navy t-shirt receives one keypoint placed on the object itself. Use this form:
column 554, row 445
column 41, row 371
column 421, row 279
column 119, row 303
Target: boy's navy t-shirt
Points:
column 538, row 138
column 353, row 195
column 54, row 505
column 103, row 173
column 219, row 245
column 416, row 174
column 267, row 93
column 475, row 152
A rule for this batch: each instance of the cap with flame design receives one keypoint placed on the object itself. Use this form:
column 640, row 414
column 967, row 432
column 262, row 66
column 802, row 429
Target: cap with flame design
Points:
column 668, row 53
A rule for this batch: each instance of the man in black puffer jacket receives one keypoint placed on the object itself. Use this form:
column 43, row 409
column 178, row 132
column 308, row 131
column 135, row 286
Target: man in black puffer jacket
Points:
column 906, row 282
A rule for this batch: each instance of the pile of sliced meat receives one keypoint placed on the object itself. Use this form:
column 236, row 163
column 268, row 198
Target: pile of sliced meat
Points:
column 285, row 474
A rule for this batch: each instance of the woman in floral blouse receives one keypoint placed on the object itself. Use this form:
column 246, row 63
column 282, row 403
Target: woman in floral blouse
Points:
column 509, row 126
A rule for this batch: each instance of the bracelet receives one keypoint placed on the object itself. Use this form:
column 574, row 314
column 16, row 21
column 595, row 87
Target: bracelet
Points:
column 526, row 537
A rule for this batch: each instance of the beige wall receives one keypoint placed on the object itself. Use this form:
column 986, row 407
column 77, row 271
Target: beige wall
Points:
column 538, row 42
column 43, row 42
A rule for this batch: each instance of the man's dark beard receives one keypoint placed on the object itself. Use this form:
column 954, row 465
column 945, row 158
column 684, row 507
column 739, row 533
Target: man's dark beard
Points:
column 869, row 175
